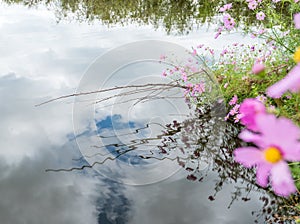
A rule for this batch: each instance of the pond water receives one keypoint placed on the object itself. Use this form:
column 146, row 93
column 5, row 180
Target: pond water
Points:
column 42, row 59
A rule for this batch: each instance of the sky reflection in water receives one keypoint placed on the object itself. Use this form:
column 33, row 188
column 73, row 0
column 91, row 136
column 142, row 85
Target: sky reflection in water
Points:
column 41, row 60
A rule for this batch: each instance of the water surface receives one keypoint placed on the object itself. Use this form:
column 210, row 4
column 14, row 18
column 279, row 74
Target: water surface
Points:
column 42, row 59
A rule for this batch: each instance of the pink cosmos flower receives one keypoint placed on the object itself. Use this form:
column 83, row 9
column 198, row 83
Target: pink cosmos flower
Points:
column 276, row 143
column 260, row 16
column 227, row 117
column 225, row 51
column 297, row 20
column 217, row 35
column 225, row 7
column 229, row 22
column 296, row 1
column 233, row 100
column 234, row 110
column 237, row 118
column 261, row 98
column 291, row 82
column 200, row 88
column 184, row 77
column 258, row 68
column 249, row 109
column 252, row 5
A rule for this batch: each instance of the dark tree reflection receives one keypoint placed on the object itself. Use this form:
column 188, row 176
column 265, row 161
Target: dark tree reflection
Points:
column 206, row 137
column 177, row 16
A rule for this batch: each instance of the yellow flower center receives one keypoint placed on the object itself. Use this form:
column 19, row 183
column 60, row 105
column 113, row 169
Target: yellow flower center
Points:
column 297, row 55
column 272, row 154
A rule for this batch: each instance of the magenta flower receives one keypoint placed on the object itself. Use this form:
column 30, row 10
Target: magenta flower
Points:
column 291, row 82
column 249, row 109
column 260, row 16
column 258, row 68
column 297, row 20
column 276, row 143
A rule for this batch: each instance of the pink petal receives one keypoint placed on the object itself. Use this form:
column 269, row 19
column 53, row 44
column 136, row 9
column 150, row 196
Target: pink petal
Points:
column 297, row 20
column 248, row 136
column 249, row 109
column 289, row 82
column 262, row 174
column 258, row 68
column 281, row 179
column 279, row 132
column 248, row 156
column 291, row 151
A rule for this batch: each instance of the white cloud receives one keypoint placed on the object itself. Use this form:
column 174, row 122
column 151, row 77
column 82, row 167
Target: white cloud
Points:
column 29, row 195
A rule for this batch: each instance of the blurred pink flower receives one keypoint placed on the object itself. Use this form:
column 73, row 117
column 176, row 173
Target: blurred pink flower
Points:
column 260, row 16
column 194, row 52
column 297, row 20
column 258, row 68
column 200, row 88
column 234, row 110
column 261, row 98
column 237, row 118
column 252, row 5
column 225, row 85
column 276, row 1
column 261, row 31
column 217, row 35
column 184, row 77
column 229, row 22
column 276, row 143
column 225, row 51
column 233, row 100
column 291, row 82
column 225, row 7
column 249, row 109
column 162, row 57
